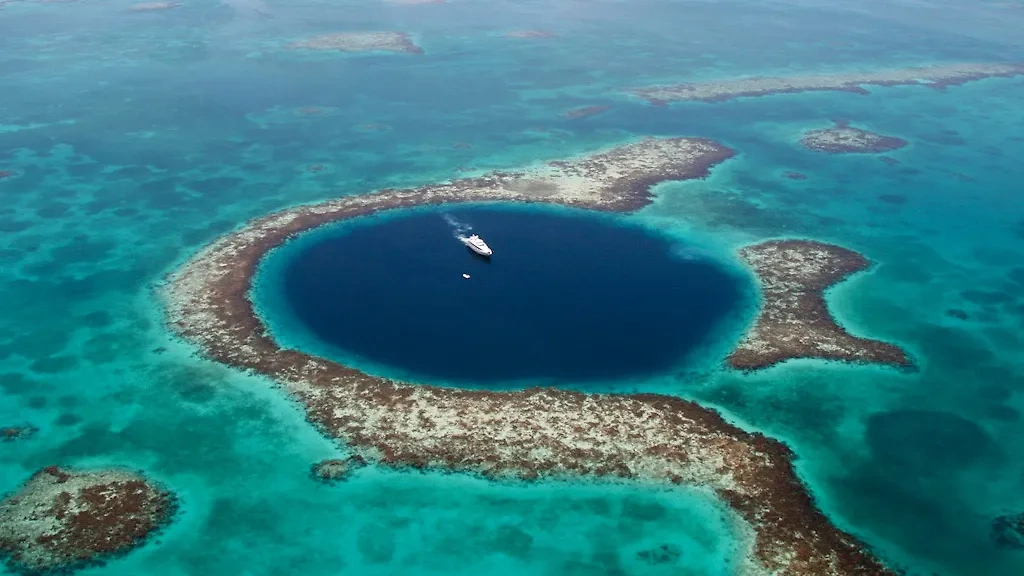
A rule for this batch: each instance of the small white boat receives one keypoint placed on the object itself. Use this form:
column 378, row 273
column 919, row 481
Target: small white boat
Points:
column 476, row 244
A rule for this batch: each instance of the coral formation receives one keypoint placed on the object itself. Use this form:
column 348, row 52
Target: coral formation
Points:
column 935, row 77
column 794, row 321
column 664, row 554
column 335, row 469
column 11, row 433
column 153, row 6
column 585, row 111
column 360, row 42
column 62, row 519
column 845, row 139
column 530, row 34
column 957, row 313
column 1008, row 531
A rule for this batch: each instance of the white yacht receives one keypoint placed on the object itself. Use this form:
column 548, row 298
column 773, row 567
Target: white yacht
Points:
column 476, row 244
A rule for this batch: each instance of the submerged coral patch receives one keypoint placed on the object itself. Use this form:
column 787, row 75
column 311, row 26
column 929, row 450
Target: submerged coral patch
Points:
column 335, row 469
column 153, row 6
column 360, row 42
column 530, row 34
column 925, row 442
column 1008, row 531
column 585, row 111
column 12, row 433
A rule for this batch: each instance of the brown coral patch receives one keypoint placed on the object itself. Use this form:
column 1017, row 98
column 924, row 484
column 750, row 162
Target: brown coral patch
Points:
column 62, row 519
column 845, row 139
column 335, row 469
column 794, row 321
column 12, row 433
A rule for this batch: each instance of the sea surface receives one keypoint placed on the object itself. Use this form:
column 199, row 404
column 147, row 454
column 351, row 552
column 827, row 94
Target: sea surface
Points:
column 135, row 138
column 569, row 297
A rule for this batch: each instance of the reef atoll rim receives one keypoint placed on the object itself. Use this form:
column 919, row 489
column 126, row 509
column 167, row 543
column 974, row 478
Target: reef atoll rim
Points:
column 63, row 519
column 931, row 76
column 529, row 433
column 794, row 321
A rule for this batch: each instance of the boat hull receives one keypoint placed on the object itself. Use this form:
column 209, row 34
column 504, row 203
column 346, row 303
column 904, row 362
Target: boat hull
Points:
column 477, row 256
column 484, row 250
column 478, row 251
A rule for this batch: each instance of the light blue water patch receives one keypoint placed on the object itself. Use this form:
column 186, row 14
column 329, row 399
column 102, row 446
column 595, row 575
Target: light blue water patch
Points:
column 379, row 522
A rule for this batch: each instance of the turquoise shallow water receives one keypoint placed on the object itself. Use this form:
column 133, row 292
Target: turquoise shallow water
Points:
column 136, row 138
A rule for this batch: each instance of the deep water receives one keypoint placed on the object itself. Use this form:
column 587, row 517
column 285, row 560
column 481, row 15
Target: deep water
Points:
column 567, row 297
column 135, row 138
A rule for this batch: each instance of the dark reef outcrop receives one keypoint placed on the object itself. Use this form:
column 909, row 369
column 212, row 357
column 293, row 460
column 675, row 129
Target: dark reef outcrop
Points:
column 12, row 433
column 585, row 111
column 957, row 313
column 794, row 320
column 664, row 554
column 1008, row 531
column 525, row 434
column 65, row 519
column 335, row 469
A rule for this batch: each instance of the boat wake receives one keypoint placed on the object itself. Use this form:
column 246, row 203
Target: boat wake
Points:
column 460, row 231
column 459, row 228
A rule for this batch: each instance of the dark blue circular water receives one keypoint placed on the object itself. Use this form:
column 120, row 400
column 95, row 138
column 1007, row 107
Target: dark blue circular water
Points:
column 566, row 296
